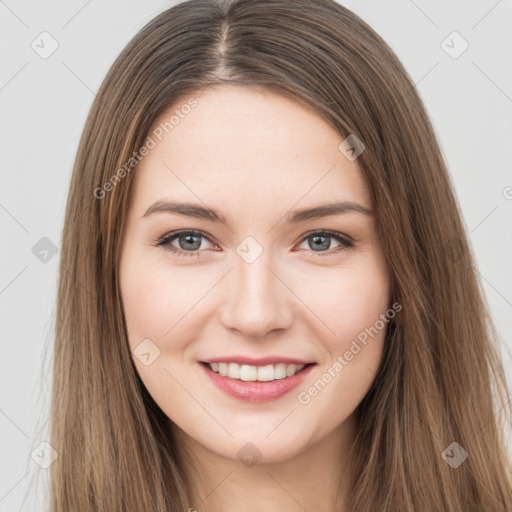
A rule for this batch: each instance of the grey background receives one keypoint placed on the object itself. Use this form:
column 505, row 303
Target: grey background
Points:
column 44, row 103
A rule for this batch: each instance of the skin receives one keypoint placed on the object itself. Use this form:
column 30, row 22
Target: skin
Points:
column 255, row 156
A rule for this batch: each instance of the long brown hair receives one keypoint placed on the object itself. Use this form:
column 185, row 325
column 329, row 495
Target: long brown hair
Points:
column 441, row 380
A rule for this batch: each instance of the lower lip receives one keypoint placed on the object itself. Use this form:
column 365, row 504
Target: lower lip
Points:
column 256, row 391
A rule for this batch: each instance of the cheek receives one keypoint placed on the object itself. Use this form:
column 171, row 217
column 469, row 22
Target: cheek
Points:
column 145, row 299
column 354, row 355
column 347, row 300
column 159, row 301
column 353, row 302
column 341, row 385
column 158, row 305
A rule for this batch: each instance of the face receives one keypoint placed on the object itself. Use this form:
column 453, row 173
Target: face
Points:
column 258, row 281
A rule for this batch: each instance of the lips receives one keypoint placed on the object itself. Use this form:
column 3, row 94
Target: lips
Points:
column 255, row 390
column 262, row 361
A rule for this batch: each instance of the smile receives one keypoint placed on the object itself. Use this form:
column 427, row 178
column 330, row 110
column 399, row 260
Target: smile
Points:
column 256, row 383
column 250, row 373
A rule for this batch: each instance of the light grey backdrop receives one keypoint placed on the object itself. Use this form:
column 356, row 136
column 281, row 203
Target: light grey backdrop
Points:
column 46, row 91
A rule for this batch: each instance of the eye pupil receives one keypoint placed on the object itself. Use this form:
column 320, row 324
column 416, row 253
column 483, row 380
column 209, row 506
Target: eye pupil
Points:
column 188, row 239
column 317, row 244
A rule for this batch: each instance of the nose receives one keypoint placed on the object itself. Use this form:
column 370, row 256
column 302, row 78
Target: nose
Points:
column 257, row 301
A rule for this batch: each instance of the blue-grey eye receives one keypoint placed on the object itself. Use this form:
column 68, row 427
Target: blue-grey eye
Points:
column 321, row 241
column 188, row 242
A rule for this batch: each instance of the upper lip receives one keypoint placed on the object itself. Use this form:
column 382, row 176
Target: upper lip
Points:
column 261, row 361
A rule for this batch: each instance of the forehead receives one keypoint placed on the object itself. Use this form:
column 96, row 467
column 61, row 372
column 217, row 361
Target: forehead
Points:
column 239, row 142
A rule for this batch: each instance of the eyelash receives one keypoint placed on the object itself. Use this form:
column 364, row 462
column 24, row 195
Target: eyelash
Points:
column 166, row 240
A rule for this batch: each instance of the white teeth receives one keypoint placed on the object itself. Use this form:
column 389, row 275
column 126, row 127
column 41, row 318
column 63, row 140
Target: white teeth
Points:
column 223, row 369
column 250, row 373
column 234, row 370
column 265, row 373
column 280, row 371
column 291, row 370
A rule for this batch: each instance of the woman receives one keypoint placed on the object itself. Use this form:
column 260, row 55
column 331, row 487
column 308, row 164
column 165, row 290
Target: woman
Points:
column 324, row 343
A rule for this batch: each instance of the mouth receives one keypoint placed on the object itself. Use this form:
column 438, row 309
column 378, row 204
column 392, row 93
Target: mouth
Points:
column 253, row 383
column 253, row 373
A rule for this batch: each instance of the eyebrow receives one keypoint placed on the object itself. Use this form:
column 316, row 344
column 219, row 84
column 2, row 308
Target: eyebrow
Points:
column 294, row 217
